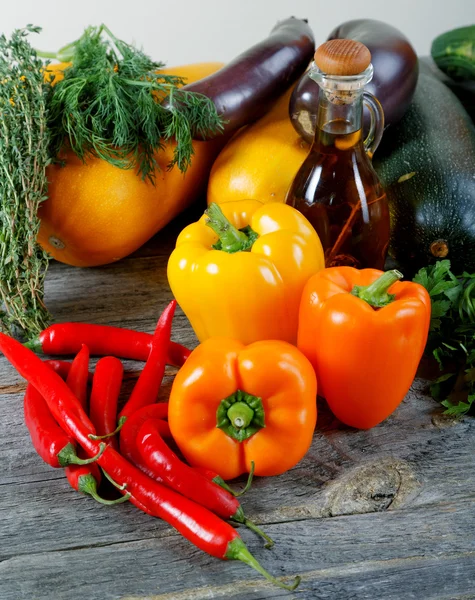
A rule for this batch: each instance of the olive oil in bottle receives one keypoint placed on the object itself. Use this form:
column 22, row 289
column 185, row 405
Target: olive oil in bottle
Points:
column 337, row 188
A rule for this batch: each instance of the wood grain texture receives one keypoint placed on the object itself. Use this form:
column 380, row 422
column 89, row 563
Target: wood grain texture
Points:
column 387, row 513
column 342, row 57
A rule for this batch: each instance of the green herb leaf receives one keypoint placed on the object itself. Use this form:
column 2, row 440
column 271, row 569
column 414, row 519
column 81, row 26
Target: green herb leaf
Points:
column 24, row 141
column 432, row 276
column 114, row 103
column 437, row 390
column 440, row 308
column 460, row 409
column 452, row 335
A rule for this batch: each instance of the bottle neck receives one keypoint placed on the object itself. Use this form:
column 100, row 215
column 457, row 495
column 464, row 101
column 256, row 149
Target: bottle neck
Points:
column 339, row 118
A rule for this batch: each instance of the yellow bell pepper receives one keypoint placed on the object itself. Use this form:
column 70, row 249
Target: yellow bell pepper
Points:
column 240, row 270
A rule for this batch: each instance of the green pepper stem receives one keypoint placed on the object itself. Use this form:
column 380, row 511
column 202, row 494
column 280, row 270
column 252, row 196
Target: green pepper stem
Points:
column 238, row 551
column 248, row 482
column 253, row 527
column 87, row 484
column 119, row 486
column 240, row 517
column 120, row 424
column 220, row 481
column 240, row 415
column 68, row 456
column 102, row 500
column 232, row 240
column 376, row 294
column 243, row 421
column 35, row 345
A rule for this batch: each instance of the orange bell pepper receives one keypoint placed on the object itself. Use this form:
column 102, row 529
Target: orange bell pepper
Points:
column 364, row 333
column 231, row 405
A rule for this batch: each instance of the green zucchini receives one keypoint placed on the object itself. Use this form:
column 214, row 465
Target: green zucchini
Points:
column 454, row 53
column 426, row 164
column 464, row 90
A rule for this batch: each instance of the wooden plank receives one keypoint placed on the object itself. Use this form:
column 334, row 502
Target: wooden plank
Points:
column 392, row 555
column 385, row 513
column 335, row 478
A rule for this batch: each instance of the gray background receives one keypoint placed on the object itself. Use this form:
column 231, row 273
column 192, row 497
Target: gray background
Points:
column 179, row 32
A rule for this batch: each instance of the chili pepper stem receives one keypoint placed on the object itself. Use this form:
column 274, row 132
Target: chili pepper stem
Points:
column 237, row 551
column 88, row 485
column 253, row 527
column 240, row 517
column 248, row 482
column 218, row 480
column 101, row 500
column 68, row 456
column 231, row 239
column 114, row 483
column 376, row 294
column 120, row 424
column 35, row 345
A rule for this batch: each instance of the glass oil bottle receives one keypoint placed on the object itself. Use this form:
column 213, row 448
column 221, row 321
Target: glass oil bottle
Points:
column 336, row 187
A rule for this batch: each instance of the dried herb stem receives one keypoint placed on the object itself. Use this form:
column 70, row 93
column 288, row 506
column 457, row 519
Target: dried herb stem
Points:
column 24, row 156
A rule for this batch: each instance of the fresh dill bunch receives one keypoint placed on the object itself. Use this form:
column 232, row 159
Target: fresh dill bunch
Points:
column 114, row 104
column 24, row 156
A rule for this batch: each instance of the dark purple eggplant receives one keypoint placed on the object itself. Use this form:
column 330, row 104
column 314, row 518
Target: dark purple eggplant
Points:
column 246, row 88
column 394, row 81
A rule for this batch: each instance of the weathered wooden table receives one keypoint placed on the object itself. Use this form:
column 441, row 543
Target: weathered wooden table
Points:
column 382, row 514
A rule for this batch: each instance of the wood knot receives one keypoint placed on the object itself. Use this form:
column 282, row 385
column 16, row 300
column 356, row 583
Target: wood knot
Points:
column 372, row 487
column 342, row 57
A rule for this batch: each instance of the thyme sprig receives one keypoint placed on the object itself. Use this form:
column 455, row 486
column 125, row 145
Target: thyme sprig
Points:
column 115, row 104
column 24, row 141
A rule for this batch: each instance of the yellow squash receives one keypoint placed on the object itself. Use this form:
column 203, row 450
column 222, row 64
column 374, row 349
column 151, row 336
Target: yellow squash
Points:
column 260, row 161
column 97, row 213
column 242, row 274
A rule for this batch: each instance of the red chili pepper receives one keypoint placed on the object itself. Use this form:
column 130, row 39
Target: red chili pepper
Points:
column 102, row 340
column 130, row 429
column 78, row 375
column 86, row 479
column 62, row 367
column 105, row 392
column 54, row 445
column 148, row 384
column 199, row 525
column 165, row 464
column 195, row 522
column 128, row 443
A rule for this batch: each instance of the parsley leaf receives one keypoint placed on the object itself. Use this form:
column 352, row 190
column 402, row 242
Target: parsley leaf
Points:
column 452, row 335
column 460, row 409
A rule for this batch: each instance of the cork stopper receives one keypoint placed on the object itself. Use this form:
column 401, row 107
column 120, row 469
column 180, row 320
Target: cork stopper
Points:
column 342, row 57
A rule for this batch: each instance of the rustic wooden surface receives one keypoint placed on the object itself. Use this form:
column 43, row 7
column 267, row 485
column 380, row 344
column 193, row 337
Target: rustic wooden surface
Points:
column 381, row 514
